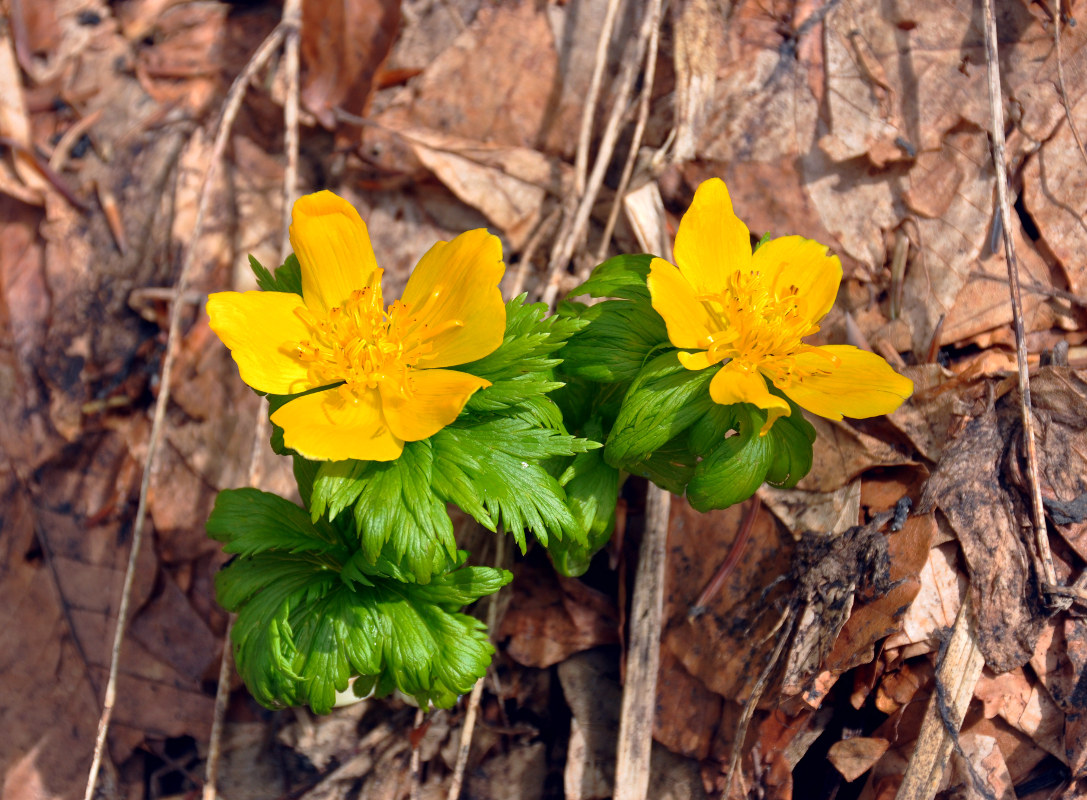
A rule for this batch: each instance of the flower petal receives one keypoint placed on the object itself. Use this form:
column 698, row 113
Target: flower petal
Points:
column 438, row 396
column 712, row 242
column 737, row 385
column 857, row 383
column 695, row 361
column 262, row 330
column 327, row 426
column 803, row 263
column 454, row 294
column 333, row 249
column 676, row 301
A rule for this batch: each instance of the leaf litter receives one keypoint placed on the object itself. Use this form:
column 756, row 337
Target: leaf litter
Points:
column 867, row 131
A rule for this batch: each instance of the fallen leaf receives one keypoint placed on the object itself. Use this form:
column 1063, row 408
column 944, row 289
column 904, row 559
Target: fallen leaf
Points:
column 841, row 453
column 854, row 757
column 936, row 605
column 344, row 43
column 550, row 618
column 967, row 486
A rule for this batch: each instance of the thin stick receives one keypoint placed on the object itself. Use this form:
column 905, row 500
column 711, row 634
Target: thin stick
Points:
column 574, row 227
column 292, row 19
column 222, row 700
column 997, row 110
column 416, row 767
column 635, row 142
column 584, row 139
column 1060, row 79
column 477, row 691
column 230, row 113
column 643, row 659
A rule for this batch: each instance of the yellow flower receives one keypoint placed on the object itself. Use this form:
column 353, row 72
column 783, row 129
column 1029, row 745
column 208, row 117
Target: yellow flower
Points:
column 382, row 371
column 749, row 312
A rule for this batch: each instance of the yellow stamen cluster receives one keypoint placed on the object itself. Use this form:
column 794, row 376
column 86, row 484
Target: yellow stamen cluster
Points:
column 363, row 344
column 758, row 328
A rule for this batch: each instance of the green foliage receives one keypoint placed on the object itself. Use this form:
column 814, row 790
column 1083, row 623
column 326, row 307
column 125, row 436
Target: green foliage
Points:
column 287, row 277
column 662, row 402
column 592, row 490
column 521, row 370
column 311, row 615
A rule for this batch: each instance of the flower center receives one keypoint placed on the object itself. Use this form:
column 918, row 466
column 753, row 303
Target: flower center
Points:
column 364, row 345
column 760, row 328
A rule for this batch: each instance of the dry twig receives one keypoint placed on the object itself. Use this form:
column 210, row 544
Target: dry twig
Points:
column 635, row 142
column 585, row 135
column 230, row 113
column 996, row 108
column 470, row 715
column 573, row 228
column 643, row 660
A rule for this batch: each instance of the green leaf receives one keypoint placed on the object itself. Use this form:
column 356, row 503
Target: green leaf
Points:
column 592, row 489
column 623, row 276
column 522, row 368
column 662, row 402
column 492, row 471
column 397, row 506
column 287, row 278
column 618, row 341
column 670, row 466
column 302, row 632
column 791, row 440
column 736, row 468
column 249, row 521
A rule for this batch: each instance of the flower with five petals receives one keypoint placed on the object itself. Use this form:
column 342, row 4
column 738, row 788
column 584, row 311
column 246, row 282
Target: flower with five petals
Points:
column 747, row 313
column 377, row 377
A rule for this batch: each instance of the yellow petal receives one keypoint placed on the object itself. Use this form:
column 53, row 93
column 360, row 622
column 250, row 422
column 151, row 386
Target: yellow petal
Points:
column 333, row 249
column 454, row 294
column 737, row 385
column 676, row 301
column 695, row 361
column 803, row 263
column 712, row 242
column 437, row 398
column 327, row 426
column 858, row 383
column 262, row 332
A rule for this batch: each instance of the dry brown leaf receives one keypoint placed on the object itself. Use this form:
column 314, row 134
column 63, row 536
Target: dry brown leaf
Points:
column 344, row 43
column 902, row 685
column 1024, row 706
column 987, row 777
column 509, row 52
column 936, row 605
column 854, row 757
column 1059, row 660
column 841, row 453
column 726, row 646
column 984, row 302
column 687, row 713
column 872, row 621
column 550, row 617
column 825, row 512
column 507, row 184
